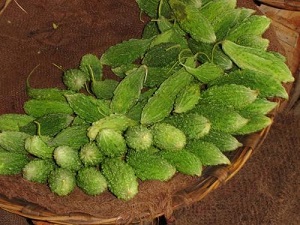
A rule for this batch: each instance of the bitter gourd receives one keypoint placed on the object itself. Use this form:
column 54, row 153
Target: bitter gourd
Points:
column 12, row 162
column 121, row 178
column 111, row 142
column 258, row 60
column 148, row 166
column 184, row 161
column 91, row 181
column 168, row 137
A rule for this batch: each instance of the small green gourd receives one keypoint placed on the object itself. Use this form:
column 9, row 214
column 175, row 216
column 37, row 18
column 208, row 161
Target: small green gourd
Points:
column 168, row 137
column 62, row 181
column 121, row 178
column 91, row 181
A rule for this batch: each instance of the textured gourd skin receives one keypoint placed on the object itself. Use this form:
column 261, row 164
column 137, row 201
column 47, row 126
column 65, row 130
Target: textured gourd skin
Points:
column 72, row 136
column 162, row 55
column 13, row 122
column 67, row 157
column 148, row 166
column 104, row 89
column 114, row 121
column 125, row 53
column 256, row 123
column 111, row 143
column 193, row 125
column 161, row 103
column 206, row 72
column 128, row 91
column 266, row 85
column 222, row 119
column 87, row 107
column 253, row 25
column 208, row 153
column 259, row 106
column 38, row 170
column 91, row 181
column 62, row 181
column 90, row 64
column 228, row 95
column 121, row 178
column 258, row 60
column 187, row 98
column 139, row 138
column 13, row 141
column 47, row 93
column 90, row 154
column 184, row 161
column 168, row 137
column 75, row 79
column 36, row 146
column 188, row 17
column 38, row 108
column 11, row 162
column 48, row 125
column 224, row 141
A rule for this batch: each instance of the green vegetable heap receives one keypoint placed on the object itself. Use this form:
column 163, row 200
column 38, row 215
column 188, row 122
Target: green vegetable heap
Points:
column 199, row 77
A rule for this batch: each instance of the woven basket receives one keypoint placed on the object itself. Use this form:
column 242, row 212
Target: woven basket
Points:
column 212, row 177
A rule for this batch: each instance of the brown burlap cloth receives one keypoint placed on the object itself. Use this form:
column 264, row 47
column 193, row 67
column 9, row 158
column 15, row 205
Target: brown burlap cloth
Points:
column 59, row 32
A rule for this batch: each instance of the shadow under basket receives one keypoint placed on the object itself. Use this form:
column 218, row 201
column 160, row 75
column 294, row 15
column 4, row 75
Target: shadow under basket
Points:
column 193, row 190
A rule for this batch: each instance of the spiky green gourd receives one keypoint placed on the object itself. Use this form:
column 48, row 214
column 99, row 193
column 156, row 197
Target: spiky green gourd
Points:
column 90, row 154
column 38, row 108
column 149, row 166
column 224, row 141
column 13, row 141
column 184, row 161
column 206, row 72
column 222, row 118
column 12, row 162
column 87, row 107
column 114, row 121
column 48, row 125
column 73, row 136
column 36, row 146
column 128, row 91
column 187, row 98
column 121, row 179
column 228, row 95
column 38, row 170
column 75, row 79
column 208, row 153
column 266, row 85
column 256, row 123
column 104, row 89
column 62, row 181
column 168, row 137
column 13, row 122
column 193, row 21
column 125, row 52
column 111, row 143
column 91, row 65
column 259, row 106
column 67, row 157
column 193, row 125
column 139, row 138
column 91, row 181
column 258, row 60
column 161, row 103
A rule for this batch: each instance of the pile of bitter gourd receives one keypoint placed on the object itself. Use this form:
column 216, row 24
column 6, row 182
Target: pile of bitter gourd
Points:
column 199, row 76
